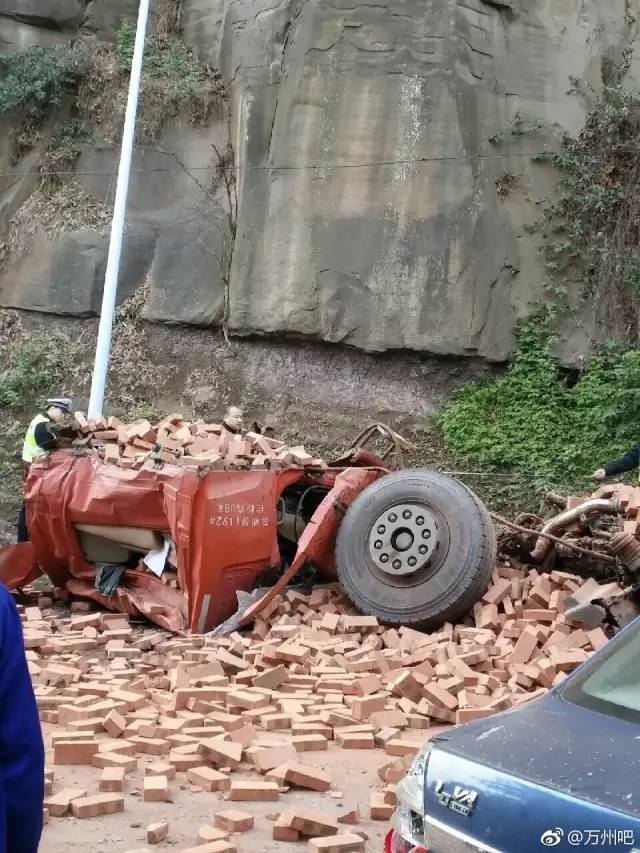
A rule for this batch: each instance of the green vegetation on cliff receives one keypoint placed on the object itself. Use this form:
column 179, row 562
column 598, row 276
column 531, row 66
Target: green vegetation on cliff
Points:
column 535, row 422
column 37, row 78
column 538, row 421
column 592, row 229
column 88, row 83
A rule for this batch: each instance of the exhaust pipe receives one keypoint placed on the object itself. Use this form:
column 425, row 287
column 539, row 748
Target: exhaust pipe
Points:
column 591, row 508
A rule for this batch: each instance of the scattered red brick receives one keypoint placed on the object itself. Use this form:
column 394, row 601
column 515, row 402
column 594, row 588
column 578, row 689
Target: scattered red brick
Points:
column 310, row 676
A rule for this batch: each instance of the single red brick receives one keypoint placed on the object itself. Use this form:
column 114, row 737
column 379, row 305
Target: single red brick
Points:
column 525, row 646
column 302, row 776
column 467, row 715
column 347, row 843
column 74, row 751
column 283, row 832
column 155, row 789
column 95, row 806
column 207, row 834
column 269, row 757
column 60, row 803
column 310, row 823
column 379, row 809
column 439, row 696
column 253, row 791
column 355, row 740
column 363, row 708
column 208, row 779
column 403, row 747
column 112, row 779
column 597, row 638
column 309, row 743
column 157, row 832
column 233, row 821
column 224, row 753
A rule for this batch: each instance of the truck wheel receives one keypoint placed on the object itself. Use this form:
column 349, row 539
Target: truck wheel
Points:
column 416, row 548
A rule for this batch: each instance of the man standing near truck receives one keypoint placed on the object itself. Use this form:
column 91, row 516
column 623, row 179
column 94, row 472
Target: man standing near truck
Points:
column 233, row 420
column 38, row 440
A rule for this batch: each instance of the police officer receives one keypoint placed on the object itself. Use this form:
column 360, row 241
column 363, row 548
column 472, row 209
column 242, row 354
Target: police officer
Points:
column 38, row 441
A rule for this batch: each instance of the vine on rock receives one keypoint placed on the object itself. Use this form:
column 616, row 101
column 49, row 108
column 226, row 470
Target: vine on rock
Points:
column 593, row 233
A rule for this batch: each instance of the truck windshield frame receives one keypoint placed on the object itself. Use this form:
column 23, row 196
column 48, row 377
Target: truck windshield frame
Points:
column 610, row 682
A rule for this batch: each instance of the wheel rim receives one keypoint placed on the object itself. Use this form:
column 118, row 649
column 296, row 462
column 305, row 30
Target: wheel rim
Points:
column 404, row 541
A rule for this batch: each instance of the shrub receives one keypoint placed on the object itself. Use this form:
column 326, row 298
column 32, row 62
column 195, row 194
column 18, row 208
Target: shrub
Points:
column 35, row 365
column 532, row 421
column 125, row 42
column 174, row 80
column 36, row 78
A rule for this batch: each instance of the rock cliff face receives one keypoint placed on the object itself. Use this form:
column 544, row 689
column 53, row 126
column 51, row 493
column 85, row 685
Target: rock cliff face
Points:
column 370, row 140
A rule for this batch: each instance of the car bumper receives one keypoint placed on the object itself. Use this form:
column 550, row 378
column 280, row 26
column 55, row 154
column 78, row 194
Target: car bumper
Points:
column 442, row 839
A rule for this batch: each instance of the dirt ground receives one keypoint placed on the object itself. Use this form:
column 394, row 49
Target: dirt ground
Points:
column 354, row 775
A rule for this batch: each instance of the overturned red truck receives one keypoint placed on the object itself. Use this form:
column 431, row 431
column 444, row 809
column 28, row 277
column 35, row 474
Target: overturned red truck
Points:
column 414, row 547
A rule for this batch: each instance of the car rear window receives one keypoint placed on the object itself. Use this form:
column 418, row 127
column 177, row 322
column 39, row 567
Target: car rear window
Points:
column 610, row 682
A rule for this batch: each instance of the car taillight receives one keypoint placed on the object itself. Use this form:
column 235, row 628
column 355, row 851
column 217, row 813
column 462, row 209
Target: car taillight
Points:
column 387, row 841
column 395, row 843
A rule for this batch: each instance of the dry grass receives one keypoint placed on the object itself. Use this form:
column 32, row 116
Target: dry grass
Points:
column 174, row 82
column 69, row 208
column 134, row 374
column 169, row 17
column 102, row 93
column 23, row 136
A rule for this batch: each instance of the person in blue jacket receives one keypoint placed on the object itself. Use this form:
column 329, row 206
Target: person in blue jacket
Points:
column 21, row 746
column 627, row 462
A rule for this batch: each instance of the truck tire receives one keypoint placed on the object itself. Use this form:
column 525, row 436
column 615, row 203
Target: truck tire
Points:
column 416, row 548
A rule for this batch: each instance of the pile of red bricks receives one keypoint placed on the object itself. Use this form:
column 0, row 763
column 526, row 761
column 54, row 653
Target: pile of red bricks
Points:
column 197, row 446
column 236, row 715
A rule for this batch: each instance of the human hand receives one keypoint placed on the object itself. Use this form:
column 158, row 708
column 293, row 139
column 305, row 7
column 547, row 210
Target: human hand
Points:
column 600, row 474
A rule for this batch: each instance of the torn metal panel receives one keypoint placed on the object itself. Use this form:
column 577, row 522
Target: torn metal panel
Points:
column 224, row 526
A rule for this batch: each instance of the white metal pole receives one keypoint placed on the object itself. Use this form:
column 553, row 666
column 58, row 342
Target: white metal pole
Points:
column 103, row 346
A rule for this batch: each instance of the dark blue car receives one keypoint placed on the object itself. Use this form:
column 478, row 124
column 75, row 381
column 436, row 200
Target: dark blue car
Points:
column 562, row 772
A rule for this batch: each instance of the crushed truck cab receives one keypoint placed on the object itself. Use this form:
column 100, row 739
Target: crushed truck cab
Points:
column 412, row 547
column 224, row 526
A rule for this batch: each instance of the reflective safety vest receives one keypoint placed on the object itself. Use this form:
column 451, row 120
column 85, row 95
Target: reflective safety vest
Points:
column 31, row 449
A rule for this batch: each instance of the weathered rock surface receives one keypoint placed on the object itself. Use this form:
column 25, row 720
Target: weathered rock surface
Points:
column 186, row 284
column 44, row 13
column 202, row 27
column 68, row 276
column 367, row 173
column 16, row 36
column 103, row 17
